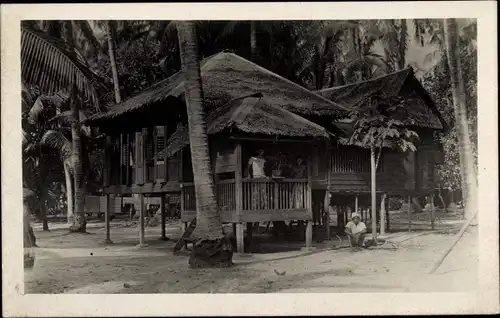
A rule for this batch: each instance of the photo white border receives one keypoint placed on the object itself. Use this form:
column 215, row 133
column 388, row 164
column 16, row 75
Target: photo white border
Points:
column 486, row 300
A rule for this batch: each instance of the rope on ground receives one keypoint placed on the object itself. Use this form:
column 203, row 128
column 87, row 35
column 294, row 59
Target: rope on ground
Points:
column 457, row 238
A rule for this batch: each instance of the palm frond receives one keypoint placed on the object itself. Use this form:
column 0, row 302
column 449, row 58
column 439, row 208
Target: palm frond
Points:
column 66, row 117
column 88, row 33
column 50, row 64
column 57, row 141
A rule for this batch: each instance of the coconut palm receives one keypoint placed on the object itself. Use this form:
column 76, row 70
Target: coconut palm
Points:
column 110, row 33
column 467, row 169
column 51, row 117
column 41, row 171
column 210, row 248
column 54, row 65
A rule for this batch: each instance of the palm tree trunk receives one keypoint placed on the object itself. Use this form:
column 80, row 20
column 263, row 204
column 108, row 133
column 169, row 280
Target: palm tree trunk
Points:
column 253, row 40
column 373, row 193
column 79, row 222
column 114, row 69
column 211, row 248
column 402, row 45
column 69, row 191
column 467, row 170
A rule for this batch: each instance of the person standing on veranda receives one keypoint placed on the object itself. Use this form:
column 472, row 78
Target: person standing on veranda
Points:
column 299, row 172
column 256, row 168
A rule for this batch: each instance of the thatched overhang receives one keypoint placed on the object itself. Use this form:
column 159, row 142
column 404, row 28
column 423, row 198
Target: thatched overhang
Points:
column 226, row 76
column 252, row 115
column 419, row 105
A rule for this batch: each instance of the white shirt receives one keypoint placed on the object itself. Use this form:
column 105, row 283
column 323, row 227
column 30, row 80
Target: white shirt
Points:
column 257, row 167
column 355, row 228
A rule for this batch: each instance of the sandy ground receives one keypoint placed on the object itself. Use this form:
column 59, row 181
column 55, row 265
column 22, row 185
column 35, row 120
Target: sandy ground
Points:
column 81, row 263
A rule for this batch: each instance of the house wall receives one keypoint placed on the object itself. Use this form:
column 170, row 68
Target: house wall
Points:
column 343, row 169
column 131, row 167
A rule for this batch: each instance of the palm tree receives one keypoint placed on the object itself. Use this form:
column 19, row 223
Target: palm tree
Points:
column 48, row 116
column 210, row 248
column 54, row 65
column 110, row 32
column 40, row 168
column 79, row 222
column 467, row 169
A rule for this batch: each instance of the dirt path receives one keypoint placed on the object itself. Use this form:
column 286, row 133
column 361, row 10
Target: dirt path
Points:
column 81, row 264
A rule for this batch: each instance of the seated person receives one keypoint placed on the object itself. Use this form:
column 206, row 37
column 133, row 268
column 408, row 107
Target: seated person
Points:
column 356, row 230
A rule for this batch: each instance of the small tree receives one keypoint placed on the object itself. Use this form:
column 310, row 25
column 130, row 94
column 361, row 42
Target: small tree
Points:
column 380, row 121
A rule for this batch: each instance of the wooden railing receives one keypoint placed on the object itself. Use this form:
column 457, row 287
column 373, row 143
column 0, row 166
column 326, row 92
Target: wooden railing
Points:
column 258, row 194
column 269, row 194
column 226, row 195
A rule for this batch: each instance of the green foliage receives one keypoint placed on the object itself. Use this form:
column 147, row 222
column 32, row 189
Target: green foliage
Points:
column 381, row 121
column 437, row 83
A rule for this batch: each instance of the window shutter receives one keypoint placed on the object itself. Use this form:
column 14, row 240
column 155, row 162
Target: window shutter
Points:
column 124, row 158
column 159, row 146
column 139, row 157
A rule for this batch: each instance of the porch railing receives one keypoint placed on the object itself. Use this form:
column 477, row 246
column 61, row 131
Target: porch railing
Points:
column 269, row 194
column 257, row 195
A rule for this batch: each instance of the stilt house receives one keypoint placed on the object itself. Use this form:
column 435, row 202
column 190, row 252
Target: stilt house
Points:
column 253, row 112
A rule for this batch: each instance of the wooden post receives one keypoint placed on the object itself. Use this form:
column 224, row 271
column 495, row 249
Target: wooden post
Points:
column 308, row 197
column 309, row 233
column 326, row 211
column 432, row 211
column 239, row 201
column 356, row 204
column 107, row 210
column 145, row 159
column 382, row 214
column 240, row 236
column 409, row 213
column 163, row 217
column 387, row 213
column 141, row 221
column 327, row 200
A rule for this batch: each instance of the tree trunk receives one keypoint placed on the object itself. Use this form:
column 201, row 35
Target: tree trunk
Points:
column 467, row 170
column 210, row 249
column 402, row 45
column 69, row 191
column 374, row 193
column 79, row 222
column 253, row 40
column 114, row 69
column 45, row 222
column 29, row 236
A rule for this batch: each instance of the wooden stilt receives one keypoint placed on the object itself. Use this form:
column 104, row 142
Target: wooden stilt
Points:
column 141, row 221
column 240, row 236
column 163, row 218
column 432, row 211
column 309, row 234
column 409, row 213
column 326, row 213
column 107, row 210
column 387, row 213
column 382, row 214
column 356, row 204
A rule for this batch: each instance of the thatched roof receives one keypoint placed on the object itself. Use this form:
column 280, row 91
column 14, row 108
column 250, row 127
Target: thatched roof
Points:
column 226, row 76
column 253, row 114
column 420, row 107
